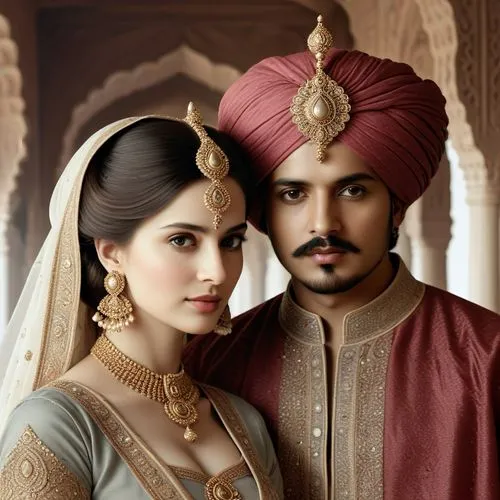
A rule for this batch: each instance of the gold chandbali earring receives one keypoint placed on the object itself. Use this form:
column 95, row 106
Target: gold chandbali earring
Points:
column 114, row 310
column 224, row 326
column 176, row 391
column 213, row 163
column 321, row 107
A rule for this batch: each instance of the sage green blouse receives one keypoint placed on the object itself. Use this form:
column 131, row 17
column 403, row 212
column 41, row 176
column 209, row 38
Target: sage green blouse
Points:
column 65, row 441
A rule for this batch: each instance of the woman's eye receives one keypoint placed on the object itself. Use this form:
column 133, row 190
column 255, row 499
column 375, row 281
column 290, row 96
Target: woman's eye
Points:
column 353, row 191
column 233, row 242
column 182, row 241
column 292, row 195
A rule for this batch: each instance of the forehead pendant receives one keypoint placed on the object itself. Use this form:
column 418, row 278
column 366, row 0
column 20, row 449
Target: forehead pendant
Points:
column 213, row 164
column 320, row 109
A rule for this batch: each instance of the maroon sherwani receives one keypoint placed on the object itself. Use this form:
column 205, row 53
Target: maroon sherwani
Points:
column 416, row 405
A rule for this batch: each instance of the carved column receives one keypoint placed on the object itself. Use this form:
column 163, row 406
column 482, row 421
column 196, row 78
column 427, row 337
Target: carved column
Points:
column 478, row 77
column 429, row 226
column 4, row 275
column 483, row 198
column 12, row 132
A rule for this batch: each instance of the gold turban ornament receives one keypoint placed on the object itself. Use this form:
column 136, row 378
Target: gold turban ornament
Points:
column 213, row 164
column 321, row 107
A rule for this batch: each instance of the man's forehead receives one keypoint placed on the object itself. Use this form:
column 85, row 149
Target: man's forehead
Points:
column 340, row 162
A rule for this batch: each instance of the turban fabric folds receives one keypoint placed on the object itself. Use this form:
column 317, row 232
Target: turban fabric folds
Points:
column 398, row 123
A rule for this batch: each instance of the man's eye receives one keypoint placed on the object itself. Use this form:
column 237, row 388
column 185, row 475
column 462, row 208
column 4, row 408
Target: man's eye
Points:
column 181, row 241
column 353, row 191
column 292, row 195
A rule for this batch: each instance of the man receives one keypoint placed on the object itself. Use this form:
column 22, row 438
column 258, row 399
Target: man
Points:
column 374, row 385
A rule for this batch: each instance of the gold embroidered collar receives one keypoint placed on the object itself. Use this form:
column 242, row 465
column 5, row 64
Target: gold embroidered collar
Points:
column 380, row 315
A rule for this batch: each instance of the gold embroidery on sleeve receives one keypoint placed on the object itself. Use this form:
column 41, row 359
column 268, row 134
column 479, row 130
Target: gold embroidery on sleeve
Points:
column 33, row 471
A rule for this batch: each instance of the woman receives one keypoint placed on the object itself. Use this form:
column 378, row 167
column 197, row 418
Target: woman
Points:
column 147, row 225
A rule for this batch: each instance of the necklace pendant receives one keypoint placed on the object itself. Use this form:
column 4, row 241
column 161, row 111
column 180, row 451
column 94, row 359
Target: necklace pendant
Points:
column 190, row 435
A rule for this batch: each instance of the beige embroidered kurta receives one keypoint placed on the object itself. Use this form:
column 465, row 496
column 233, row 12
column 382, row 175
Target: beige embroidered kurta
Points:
column 65, row 441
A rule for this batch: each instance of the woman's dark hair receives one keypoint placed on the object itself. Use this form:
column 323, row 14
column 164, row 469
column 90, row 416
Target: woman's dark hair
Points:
column 133, row 176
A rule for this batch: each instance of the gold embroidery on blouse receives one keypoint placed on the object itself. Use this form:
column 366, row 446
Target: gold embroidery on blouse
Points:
column 236, row 428
column 59, row 330
column 33, row 471
column 220, row 486
column 302, row 424
column 159, row 482
column 219, row 489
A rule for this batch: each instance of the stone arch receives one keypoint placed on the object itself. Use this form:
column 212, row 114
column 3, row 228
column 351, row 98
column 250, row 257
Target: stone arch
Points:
column 183, row 60
column 13, row 126
column 440, row 25
column 447, row 40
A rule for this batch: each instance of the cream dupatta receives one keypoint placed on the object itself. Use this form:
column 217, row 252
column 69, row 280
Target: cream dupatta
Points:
column 50, row 329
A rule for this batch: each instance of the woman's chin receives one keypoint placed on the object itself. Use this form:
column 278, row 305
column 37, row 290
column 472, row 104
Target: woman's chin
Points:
column 201, row 329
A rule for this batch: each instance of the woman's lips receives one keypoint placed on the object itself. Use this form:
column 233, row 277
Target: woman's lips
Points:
column 205, row 303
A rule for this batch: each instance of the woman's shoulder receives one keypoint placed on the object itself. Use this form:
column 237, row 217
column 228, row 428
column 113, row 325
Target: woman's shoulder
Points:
column 51, row 414
column 48, row 405
column 49, row 430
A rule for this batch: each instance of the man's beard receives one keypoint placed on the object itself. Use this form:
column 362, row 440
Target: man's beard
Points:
column 332, row 284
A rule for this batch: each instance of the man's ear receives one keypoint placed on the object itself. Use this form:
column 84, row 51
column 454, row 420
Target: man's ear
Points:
column 109, row 254
column 398, row 211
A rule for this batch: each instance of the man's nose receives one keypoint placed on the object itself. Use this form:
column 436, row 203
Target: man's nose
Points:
column 325, row 218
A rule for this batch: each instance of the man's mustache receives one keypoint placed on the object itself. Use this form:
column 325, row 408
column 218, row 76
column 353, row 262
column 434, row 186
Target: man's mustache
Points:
column 329, row 241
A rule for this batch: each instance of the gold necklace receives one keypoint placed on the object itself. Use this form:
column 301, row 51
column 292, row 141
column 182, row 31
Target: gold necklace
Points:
column 176, row 391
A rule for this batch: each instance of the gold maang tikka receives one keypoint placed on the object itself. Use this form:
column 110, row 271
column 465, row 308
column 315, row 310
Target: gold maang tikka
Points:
column 321, row 107
column 213, row 164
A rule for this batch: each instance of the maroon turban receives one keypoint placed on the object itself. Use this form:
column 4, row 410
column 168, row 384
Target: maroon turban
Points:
column 398, row 121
